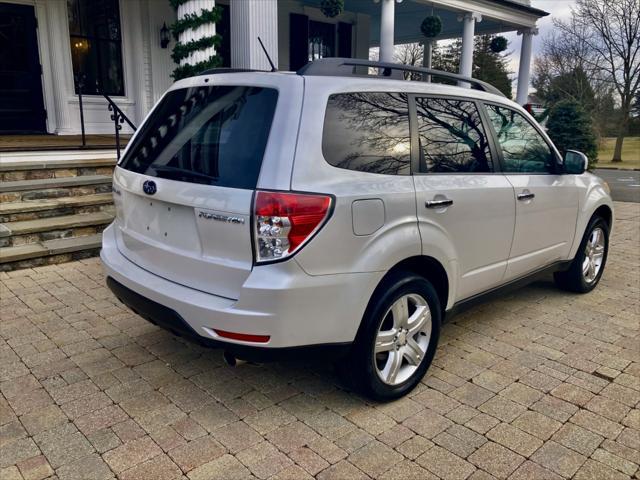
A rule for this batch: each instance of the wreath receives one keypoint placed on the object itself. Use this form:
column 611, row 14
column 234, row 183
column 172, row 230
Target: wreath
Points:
column 331, row 8
column 498, row 44
column 431, row 26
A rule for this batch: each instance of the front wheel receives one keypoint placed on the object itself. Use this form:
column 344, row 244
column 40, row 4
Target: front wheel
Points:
column 588, row 265
column 397, row 339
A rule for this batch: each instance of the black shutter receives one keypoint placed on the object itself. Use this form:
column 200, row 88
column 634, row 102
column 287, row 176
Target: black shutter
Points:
column 298, row 41
column 344, row 40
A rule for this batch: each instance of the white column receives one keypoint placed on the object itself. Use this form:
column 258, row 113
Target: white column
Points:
column 251, row 19
column 427, row 53
column 206, row 30
column 468, row 31
column 524, row 71
column 66, row 120
column 387, row 23
column 427, row 56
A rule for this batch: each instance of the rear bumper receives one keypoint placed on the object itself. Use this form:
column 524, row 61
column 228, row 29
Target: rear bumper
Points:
column 297, row 311
column 170, row 320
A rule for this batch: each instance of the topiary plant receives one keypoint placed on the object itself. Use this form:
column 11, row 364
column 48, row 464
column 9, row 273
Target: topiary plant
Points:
column 499, row 44
column 331, row 8
column 431, row 26
column 569, row 127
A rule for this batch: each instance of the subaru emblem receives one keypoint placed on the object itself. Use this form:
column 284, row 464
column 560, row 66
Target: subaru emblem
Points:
column 149, row 187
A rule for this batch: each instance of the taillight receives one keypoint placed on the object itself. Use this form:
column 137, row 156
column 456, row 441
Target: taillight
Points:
column 285, row 221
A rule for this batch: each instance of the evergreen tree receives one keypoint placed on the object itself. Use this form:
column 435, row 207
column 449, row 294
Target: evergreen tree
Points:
column 447, row 57
column 491, row 66
column 570, row 128
column 488, row 65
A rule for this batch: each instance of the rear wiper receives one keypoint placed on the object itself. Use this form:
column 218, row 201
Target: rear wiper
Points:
column 179, row 172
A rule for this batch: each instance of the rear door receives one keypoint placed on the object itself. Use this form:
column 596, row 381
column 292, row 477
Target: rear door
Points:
column 546, row 200
column 185, row 186
column 459, row 192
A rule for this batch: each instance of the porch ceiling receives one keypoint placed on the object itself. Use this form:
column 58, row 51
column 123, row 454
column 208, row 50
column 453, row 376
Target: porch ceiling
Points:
column 497, row 16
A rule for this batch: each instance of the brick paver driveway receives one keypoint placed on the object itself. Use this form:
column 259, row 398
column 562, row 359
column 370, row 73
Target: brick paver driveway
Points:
column 539, row 385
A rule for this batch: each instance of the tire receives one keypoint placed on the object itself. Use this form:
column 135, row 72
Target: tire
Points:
column 406, row 344
column 586, row 268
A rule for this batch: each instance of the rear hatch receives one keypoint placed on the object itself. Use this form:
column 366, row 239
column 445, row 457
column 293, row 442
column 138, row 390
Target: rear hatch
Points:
column 184, row 188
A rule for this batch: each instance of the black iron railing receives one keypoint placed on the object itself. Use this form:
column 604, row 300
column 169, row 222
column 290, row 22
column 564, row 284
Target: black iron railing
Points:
column 118, row 117
column 79, row 79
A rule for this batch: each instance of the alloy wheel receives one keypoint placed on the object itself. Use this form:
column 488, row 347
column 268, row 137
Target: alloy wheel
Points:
column 402, row 339
column 593, row 255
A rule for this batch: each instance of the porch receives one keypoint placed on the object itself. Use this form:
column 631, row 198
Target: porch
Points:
column 56, row 43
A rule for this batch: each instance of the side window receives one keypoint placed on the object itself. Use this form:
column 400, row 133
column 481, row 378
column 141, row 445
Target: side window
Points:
column 452, row 138
column 523, row 148
column 368, row 132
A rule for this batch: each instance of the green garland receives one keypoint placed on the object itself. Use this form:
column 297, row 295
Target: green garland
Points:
column 183, row 50
column 176, row 3
column 187, row 70
column 194, row 20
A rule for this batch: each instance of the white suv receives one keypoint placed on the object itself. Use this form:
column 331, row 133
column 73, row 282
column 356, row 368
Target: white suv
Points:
column 343, row 212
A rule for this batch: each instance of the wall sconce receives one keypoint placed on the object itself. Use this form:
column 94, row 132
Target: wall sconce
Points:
column 164, row 36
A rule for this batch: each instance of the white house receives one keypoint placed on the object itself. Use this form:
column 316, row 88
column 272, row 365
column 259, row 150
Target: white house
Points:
column 44, row 43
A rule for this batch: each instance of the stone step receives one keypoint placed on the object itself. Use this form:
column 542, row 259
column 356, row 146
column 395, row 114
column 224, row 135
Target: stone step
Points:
column 33, row 166
column 66, row 222
column 31, row 210
column 52, row 251
column 48, row 183
column 47, row 188
column 14, row 166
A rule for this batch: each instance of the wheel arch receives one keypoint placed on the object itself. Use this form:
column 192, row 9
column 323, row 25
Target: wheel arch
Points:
column 597, row 202
column 605, row 212
column 427, row 267
column 424, row 266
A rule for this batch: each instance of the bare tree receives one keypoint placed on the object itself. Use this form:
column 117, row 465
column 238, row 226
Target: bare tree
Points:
column 610, row 30
column 409, row 54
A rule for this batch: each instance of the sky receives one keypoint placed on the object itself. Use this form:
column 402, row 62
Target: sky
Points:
column 559, row 9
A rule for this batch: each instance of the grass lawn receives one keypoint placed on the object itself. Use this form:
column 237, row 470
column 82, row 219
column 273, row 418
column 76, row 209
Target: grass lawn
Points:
column 630, row 153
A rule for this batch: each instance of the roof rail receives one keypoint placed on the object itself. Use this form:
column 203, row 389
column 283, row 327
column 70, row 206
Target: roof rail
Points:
column 221, row 70
column 345, row 67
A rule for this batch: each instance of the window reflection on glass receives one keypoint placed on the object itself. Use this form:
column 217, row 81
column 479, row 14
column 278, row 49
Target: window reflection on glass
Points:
column 452, row 138
column 523, row 148
column 96, row 46
column 368, row 132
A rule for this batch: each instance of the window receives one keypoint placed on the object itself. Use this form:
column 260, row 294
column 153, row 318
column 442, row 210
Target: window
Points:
column 368, row 132
column 523, row 148
column 452, row 138
column 212, row 135
column 96, row 45
column 322, row 40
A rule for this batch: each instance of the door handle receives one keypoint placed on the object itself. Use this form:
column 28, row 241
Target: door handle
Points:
column 438, row 203
column 526, row 195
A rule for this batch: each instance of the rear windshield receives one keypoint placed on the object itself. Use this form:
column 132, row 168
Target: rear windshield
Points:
column 213, row 135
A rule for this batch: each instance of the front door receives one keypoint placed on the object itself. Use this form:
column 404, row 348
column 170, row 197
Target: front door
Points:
column 21, row 103
column 462, row 199
column 546, row 201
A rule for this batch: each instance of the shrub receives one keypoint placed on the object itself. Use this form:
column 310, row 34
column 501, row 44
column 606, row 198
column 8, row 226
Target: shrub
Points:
column 570, row 128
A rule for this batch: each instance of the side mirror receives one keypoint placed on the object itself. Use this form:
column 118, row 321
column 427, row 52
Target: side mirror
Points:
column 575, row 163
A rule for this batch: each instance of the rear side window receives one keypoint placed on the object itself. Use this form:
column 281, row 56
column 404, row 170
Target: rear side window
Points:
column 368, row 132
column 452, row 137
column 213, row 135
